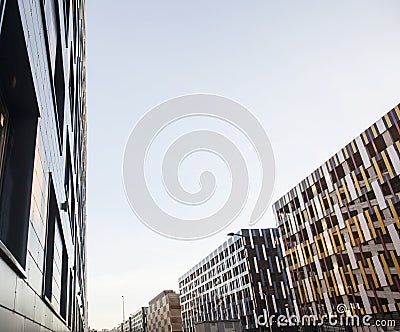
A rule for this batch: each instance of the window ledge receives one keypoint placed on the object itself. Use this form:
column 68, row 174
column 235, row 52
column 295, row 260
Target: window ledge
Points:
column 14, row 264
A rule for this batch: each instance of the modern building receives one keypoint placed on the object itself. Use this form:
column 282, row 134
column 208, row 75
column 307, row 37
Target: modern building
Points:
column 164, row 313
column 242, row 279
column 340, row 227
column 42, row 166
column 233, row 325
column 136, row 322
column 139, row 320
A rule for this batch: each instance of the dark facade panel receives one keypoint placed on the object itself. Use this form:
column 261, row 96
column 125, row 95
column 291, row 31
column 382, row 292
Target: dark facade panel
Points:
column 42, row 217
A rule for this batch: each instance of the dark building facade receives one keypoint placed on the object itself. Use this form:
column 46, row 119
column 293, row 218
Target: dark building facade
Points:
column 340, row 228
column 242, row 279
column 42, row 166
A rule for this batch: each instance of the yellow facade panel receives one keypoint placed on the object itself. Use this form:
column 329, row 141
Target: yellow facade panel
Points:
column 366, row 183
column 355, row 180
column 334, row 283
column 386, row 268
column 353, row 243
column 389, row 122
column 378, row 215
column 370, row 224
column 353, row 281
column 366, row 283
column 396, row 263
column 394, row 213
column 387, row 163
column 328, row 286
column 377, row 170
column 372, row 270
column 360, row 234
column 340, row 237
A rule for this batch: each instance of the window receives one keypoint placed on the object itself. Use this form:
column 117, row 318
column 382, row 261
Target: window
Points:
column 371, row 149
column 357, row 159
column 59, row 89
column 18, row 126
column 67, row 5
column 69, row 189
column 380, row 143
column 70, row 299
column 56, row 260
column 55, row 51
column 394, row 133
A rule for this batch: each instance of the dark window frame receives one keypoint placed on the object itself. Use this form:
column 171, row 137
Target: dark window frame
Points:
column 18, row 96
column 53, row 217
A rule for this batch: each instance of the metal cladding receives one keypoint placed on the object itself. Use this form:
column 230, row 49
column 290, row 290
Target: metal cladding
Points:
column 43, row 166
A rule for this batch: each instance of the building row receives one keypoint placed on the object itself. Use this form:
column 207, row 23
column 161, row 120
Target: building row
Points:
column 162, row 315
column 336, row 246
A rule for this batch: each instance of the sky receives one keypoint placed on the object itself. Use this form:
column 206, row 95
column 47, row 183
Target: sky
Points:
column 314, row 73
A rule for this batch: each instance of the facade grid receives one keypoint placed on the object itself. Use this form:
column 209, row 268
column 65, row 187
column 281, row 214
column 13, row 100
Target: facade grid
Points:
column 242, row 279
column 139, row 320
column 340, row 227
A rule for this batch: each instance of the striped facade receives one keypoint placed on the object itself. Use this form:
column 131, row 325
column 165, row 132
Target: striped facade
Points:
column 339, row 227
column 242, row 279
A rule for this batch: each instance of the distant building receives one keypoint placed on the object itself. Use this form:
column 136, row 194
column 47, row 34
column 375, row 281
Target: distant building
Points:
column 164, row 313
column 126, row 326
column 340, row 228
column 139, row 320
column 242, row 279
column 233, row 325
column 136, row 322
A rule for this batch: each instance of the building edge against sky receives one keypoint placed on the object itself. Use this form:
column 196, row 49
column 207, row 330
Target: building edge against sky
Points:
column 339, row 227
column 337, row 242
column 43, row 166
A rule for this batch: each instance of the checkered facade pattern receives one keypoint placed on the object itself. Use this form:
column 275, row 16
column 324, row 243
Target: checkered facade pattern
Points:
column 164, row 313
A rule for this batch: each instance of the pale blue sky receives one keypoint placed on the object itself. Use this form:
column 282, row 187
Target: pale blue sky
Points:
column 315, row 73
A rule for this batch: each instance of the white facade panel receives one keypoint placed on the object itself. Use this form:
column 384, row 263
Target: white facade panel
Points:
column 363, row 152
column 379, row 195
column 394, row 158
